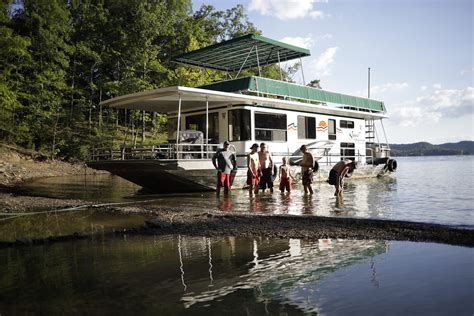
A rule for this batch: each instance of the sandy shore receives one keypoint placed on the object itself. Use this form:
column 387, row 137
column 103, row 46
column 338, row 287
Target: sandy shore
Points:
column 15, row 168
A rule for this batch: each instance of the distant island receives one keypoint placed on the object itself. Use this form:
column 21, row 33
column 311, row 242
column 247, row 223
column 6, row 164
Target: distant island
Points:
column 427, row 149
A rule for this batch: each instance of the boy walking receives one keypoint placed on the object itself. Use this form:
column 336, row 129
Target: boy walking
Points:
column 285, row 176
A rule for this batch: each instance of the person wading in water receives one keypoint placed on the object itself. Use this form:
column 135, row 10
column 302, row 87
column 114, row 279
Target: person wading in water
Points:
column 266, row 165
column 307, row 164
column 338, row 172
column 224, row 161
column 253, row 170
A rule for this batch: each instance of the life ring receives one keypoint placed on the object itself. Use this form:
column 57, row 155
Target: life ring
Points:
column 274, row 173
column 316, row 166
column 392, row 165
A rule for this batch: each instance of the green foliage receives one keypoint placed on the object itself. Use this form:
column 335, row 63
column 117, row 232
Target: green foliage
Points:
column 60, row 59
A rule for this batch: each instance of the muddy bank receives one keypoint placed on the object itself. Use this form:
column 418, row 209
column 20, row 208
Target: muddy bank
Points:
column 18, row 165
column 168, row 221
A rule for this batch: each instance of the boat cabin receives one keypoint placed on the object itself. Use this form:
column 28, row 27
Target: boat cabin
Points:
column 245, row 110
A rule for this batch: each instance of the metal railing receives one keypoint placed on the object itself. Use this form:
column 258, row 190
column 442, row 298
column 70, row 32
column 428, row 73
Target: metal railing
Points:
column 161, row 151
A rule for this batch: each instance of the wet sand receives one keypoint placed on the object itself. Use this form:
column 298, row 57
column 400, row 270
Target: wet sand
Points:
column 197, row 223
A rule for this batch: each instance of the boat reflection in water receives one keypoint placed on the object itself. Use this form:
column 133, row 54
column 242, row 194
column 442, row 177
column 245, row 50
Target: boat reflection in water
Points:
column 286, row 273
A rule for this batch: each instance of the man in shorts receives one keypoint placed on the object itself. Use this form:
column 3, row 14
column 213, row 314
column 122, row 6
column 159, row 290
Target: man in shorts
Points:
column 338, row 172
column 224, row 161
column 253, row 170
column 266, row 165
column 307, row 164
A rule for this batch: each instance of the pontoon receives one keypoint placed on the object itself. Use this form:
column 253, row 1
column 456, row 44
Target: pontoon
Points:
column 246, row 110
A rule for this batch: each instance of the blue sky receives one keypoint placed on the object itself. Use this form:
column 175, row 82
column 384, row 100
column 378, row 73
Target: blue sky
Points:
column 420, row 53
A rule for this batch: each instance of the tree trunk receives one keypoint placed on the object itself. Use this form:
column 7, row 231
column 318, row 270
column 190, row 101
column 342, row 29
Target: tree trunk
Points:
column 53, row 147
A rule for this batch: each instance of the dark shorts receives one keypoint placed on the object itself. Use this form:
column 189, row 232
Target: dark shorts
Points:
column 223, row 179
column 333, row 175
column 307, row 177
column 267, row 179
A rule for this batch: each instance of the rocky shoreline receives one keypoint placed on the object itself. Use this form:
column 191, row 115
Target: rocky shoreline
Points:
column 14, row 169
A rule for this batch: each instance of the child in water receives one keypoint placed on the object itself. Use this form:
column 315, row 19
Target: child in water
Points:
column 285, row 176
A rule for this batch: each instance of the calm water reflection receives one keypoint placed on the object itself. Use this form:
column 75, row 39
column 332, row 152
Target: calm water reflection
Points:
column 425, row 189
column 86, row 221
column 171, row 275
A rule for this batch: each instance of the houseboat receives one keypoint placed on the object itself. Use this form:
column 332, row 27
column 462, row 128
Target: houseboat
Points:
column 247, row 110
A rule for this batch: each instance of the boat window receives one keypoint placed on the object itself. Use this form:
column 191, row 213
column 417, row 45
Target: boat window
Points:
column 348, row 151
column 239, row 125
column 332, row 129
column 306, row 127
column 346, row 124
column 198, row 123
column 270, row 127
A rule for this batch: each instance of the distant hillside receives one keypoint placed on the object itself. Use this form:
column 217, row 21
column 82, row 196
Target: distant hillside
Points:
column 427, row 149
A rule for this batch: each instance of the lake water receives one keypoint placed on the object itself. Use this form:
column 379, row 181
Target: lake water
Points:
column 424, row 189
column 174, row 275
column 177, row 275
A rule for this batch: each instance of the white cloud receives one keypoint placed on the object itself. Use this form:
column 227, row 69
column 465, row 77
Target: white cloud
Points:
column 467, row 71
column 287, row 9
column 423, row 88
column 323, row 63
column 305, row 42
column 383, row 88
column 448, row 103
column 437, row 86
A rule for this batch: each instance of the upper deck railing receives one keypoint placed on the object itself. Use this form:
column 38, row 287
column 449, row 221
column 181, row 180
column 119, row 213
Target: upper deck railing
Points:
column 161, row 151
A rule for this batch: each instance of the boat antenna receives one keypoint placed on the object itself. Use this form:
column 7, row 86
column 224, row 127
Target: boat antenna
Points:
column 368, row 86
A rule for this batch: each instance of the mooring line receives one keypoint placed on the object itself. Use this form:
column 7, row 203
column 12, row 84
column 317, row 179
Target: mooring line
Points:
column 15, row 215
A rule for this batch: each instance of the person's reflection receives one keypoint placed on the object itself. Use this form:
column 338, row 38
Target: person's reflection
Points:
column 225, row 204
column 307, row 204
column 255, row 204
column 285, row 202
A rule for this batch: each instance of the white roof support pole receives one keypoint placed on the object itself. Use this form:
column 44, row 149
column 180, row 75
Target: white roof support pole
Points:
column 238, row 73
column 179, row 123
column 279, row 65
column 302, row 72
column 207, row 121
column 258, row 61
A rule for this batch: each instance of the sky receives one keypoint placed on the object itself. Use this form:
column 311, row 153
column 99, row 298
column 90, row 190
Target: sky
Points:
column 420, row 54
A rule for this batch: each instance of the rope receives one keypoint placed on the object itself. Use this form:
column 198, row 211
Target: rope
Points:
column 68, row 209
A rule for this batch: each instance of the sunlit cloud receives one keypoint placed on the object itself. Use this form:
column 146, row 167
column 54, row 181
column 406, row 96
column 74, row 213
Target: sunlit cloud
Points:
column 437, row 86
column 467, row 71
column 305, row 42
column 383, row 88
column 447, row 103
column 287, row 9
column 323, row 64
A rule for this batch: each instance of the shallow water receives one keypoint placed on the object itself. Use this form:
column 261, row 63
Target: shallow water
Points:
column 171, row 275
column 84, row 221
column 424, row 189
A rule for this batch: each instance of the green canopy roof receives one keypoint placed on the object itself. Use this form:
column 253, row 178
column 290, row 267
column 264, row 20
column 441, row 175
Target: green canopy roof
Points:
column 241, row 53
column 295, row 91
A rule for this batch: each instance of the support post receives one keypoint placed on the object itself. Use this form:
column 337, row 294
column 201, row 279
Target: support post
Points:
column 178, row 125
column 207, row 124
column 279, row 65
column 302, row 72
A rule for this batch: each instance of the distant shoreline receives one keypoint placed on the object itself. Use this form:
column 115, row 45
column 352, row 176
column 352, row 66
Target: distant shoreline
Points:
column 462, row 148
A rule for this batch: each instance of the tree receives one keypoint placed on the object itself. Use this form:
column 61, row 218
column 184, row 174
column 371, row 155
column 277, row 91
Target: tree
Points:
column 14, row 56
column 46, row 23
